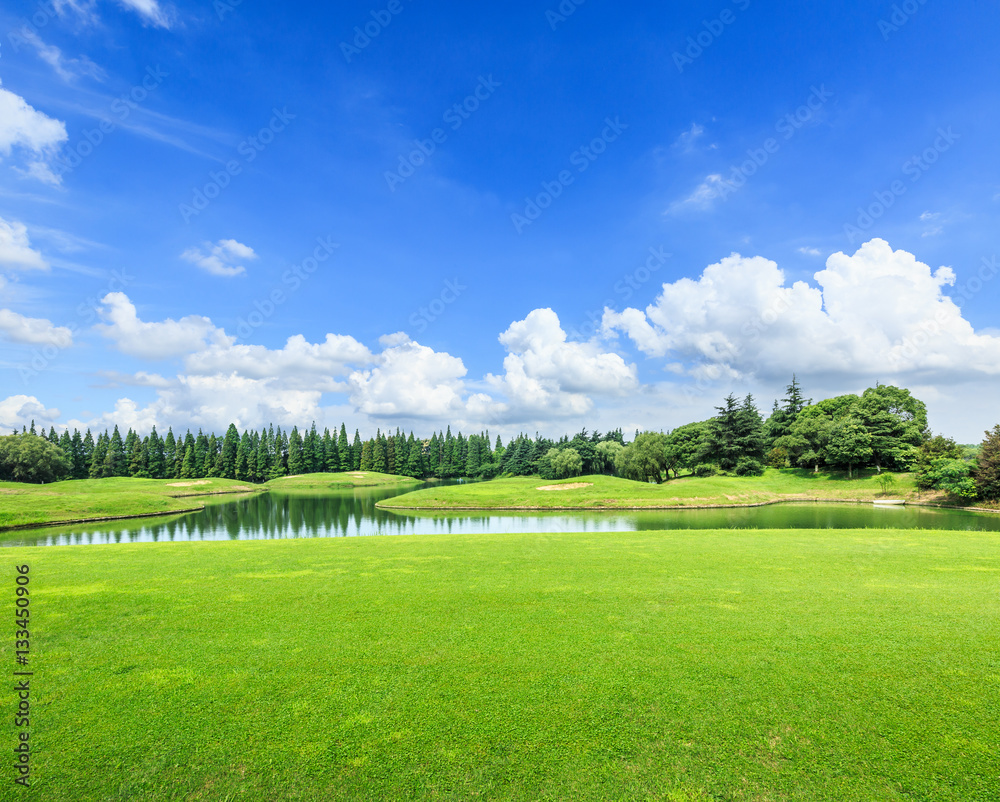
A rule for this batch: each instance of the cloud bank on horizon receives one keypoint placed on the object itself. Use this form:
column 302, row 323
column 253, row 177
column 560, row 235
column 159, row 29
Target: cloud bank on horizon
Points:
column 196, row 230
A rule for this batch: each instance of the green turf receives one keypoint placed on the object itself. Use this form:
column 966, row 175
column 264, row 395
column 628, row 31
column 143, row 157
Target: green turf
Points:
column 609, row 492
column 317, row 482
column 28, row 504
column 711, row 665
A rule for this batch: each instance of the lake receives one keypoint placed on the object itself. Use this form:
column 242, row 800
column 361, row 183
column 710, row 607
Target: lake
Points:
column 352, row 513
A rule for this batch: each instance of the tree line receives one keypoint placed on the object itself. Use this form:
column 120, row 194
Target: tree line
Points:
column 883, row 429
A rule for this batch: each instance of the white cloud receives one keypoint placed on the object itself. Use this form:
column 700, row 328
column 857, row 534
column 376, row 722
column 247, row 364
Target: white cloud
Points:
column 168, row 338
column 221, row 259
column 15, row 248
column 546, row 377
column 149, row 10
column 20, row 329
column 879, row 313
column 685, row 142
column 66, row 68
column 702, row 198
column 810, row 251
column 299, row 363
column 37, row 134
column 19, row 410
column 932, row 224
column 410, row 380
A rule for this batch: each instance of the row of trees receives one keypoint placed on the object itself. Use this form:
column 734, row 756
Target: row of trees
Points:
column 268, row 454
column 885, row 428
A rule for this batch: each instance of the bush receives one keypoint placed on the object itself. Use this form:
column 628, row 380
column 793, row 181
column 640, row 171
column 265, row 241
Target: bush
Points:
column 748, row 466
column 705, row 469
column 29, row 458
column 777, row 457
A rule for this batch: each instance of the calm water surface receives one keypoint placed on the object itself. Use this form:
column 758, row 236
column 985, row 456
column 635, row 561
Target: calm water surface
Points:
column 352, row 513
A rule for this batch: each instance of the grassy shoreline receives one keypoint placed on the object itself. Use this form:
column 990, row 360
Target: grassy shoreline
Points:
column 608, row 492
column 636, row 665
column 30, row 506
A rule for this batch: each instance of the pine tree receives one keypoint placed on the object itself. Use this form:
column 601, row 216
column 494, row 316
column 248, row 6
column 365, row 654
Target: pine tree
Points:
column 356, row 452
column 155, row 456
column 296, row 456
column 96, row 468
column 987, row 472
column 169, row 455
column 332, row 450
column 415, row 460
column 230, row 444
column 344, row 448
column 378, row 454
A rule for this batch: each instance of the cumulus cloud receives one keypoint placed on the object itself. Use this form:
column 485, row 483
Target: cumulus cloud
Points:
column 35, row 134
column 299, row 362
column 162, row 340
column 410, row 380
column 39, row 331
column 546, row 376
column 20, row 410
column 222, row 258
column 877, row 313
column 15, row 249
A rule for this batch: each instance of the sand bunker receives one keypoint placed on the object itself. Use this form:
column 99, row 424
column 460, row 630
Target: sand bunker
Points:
column 570, row 486
column 188, row 484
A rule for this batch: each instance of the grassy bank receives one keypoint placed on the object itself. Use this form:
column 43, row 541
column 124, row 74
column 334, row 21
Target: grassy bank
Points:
column 717, row 665
column 599, row 492
column 90, row 499
column 24, row 505
column 318, row 482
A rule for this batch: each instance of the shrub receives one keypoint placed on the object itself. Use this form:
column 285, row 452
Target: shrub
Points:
column 748, row 466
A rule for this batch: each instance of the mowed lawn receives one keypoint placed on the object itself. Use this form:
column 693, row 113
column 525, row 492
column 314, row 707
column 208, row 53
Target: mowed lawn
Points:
column 610, row 492
column 23, row 504
column 694, row 665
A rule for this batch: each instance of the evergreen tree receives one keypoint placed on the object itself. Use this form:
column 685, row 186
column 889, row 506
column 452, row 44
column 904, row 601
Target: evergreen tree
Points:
column 79, row 454
column 366, row 456
column 230, row 445
column 356, row 452
column 169, row 455
column 242, row 458
column 155, row 456
column 333, row 456
column 378, row 454
column 296, row 456
column 344, row 449
column 114, row 459
column 987, row 472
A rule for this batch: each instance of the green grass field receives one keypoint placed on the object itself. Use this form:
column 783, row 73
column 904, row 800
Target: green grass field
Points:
column 84, row 499
column 708, row 665
column 609, row 492
column 318, row 482
column 93, row 499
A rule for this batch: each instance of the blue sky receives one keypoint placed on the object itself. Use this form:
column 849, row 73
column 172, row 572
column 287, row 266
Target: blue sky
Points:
column 535, row 216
